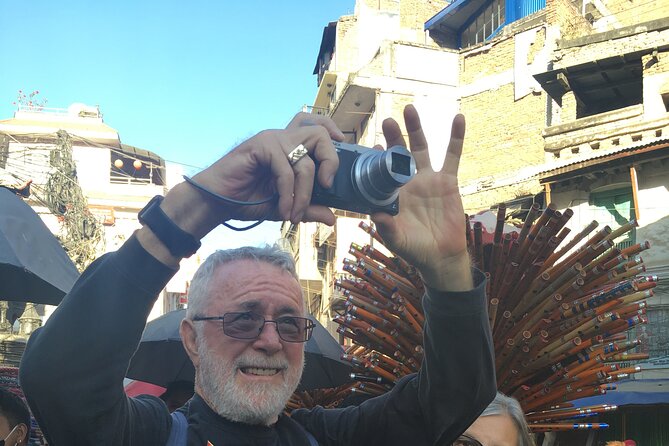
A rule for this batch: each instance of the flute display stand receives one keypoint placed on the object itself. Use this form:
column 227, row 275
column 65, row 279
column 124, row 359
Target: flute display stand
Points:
column 562, row 313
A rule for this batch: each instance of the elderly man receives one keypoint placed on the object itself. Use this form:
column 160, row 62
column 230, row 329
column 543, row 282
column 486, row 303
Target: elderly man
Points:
column 245, row 327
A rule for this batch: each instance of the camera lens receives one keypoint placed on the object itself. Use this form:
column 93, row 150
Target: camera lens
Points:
column 400, row 164
column 377, row 175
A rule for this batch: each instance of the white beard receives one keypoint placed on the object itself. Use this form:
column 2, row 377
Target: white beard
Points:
column 257, row 404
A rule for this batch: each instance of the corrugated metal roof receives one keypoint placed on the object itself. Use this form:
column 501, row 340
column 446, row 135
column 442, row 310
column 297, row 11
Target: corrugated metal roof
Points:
column 572, row 164
column 546, row 170
column 454, row 16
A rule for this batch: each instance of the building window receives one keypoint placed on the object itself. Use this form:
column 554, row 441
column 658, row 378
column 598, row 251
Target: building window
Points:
column 615, row 207
column 484, row 25
column 131, row 165
column 607, row 85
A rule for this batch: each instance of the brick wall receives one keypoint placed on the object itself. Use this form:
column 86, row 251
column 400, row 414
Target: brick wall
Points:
column 382, row 5
column 486, row 59
column 616, row 43
column 485, row 198
column 655, row 64
column 414, row 13
column 565, row 15
column 633, row 12
column 503, row 135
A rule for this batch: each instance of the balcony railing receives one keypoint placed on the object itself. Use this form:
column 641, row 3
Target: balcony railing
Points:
column 316, row 110
column 40, row 109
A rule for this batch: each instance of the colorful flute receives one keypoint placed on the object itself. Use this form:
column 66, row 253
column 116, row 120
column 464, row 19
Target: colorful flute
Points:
column 542, row 427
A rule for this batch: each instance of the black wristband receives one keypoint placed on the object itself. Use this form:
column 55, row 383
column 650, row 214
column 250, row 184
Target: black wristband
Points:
column 178, row 242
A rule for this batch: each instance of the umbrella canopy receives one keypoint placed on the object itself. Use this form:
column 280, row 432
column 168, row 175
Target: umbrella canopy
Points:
column 134, row 388
column 33, row 265
column 161, row 357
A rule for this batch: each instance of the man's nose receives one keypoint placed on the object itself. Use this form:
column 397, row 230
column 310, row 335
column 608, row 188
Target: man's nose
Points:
column 269, row 339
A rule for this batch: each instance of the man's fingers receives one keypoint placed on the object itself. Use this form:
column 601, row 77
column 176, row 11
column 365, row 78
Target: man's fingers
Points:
column 319, row 144
column 386, row 225
column 454, row 151
column 306, row 119
column 304, row 182
column 319, row 213
column 417, row 141
column 316, row 140
column 285, row 179
column 392, row 133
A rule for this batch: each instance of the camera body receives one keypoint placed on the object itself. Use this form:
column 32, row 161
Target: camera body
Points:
column 367, row 180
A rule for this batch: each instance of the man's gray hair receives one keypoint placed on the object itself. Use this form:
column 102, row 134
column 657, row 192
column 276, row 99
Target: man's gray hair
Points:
column 505, row 405
column 199, row 291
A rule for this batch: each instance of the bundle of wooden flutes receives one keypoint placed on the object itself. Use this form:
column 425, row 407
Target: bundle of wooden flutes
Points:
column 328, row 398
column 559, row 312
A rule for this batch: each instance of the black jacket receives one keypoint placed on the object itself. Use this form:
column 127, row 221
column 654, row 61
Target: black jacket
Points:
column 73, row 368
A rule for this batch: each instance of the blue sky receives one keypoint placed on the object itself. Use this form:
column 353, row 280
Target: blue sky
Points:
column 187, row 80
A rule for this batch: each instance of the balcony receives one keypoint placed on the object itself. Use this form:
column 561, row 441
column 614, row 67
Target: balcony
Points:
column 322, row 111
column 605, row 133
column 327, row 91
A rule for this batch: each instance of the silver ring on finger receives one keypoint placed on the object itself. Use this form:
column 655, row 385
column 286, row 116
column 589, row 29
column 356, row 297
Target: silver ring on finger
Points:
column 297, row 154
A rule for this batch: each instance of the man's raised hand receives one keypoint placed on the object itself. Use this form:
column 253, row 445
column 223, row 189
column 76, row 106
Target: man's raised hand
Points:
column 429, row 230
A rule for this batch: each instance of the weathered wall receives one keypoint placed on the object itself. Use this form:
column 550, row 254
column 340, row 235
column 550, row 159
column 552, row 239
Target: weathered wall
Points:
column 633, row 12
column 506, row 113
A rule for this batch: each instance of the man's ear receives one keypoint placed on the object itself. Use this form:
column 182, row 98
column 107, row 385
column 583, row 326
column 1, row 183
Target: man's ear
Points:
column 189, row 340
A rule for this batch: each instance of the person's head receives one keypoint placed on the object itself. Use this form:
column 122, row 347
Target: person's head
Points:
column 177, row 394
column 502, row 423
column 246, row 371
column 14, row 420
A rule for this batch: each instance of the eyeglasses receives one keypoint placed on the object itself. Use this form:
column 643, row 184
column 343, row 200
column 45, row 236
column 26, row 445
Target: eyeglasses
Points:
column 466, row 440
column 248, row 325
column 2, row 442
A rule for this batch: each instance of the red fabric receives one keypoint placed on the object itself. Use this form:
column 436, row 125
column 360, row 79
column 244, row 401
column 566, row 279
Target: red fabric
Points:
column 630, row 443
column 135, row 388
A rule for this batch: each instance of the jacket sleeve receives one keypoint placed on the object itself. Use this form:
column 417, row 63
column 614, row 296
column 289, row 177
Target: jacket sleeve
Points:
column 455, row 383
column 73, row 368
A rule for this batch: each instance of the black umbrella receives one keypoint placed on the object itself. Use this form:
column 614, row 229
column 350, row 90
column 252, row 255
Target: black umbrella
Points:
column 161, row 358
column 33, row 265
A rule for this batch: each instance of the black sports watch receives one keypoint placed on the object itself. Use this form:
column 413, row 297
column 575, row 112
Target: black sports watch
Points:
column 178, row 242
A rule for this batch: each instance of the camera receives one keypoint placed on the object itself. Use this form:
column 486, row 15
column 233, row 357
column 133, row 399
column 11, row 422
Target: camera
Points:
column 367, row 180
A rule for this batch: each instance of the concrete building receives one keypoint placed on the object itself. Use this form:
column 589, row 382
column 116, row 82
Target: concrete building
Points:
column 609, row 149
column 116, row 180
column 567, row 102
column 370, row 65
column 577, row 92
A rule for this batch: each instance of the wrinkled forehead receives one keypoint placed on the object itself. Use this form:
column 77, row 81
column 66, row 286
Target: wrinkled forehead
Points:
column 254, row 285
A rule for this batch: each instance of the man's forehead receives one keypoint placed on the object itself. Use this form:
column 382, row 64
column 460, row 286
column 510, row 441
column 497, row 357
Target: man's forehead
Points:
column 254, row 282
column 243, row 271
column 257, row 263
column 258, row 305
